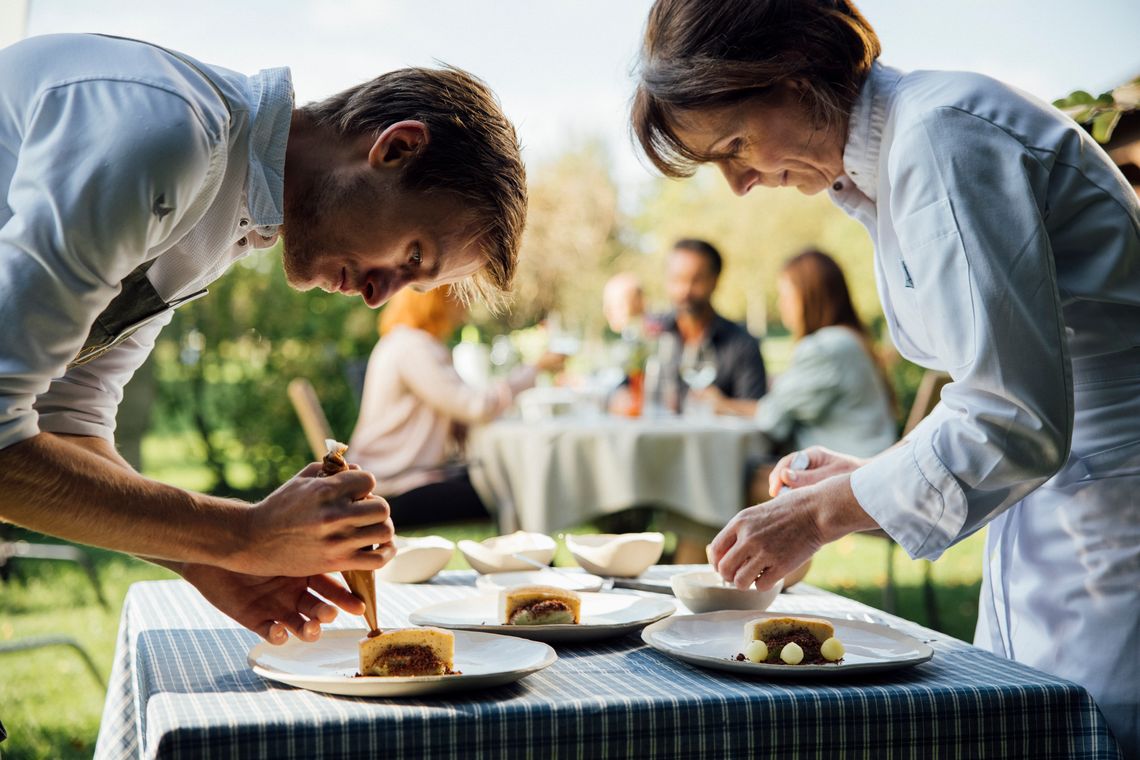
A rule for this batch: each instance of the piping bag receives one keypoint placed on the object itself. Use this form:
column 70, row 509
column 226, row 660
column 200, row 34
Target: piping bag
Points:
column 361, row 583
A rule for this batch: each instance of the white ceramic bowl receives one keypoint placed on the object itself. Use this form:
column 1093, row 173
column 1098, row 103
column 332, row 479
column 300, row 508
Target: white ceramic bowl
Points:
column 622, row 555
column 494, row 554
column 417, row 559
column 702, row 591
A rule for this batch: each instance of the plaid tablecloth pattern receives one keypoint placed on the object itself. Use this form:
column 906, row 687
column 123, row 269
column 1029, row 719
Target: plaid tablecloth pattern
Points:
column 181, row 687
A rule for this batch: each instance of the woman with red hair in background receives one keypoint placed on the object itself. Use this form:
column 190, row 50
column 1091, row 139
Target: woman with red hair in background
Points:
column 415, row 410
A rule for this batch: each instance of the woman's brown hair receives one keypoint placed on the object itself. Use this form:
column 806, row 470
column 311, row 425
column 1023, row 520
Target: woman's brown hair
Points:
column 825, row 301
column 430, row 311
column 699, row 54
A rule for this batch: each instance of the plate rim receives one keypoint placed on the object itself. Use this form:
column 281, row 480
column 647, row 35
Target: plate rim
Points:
column 308, row 682
column 556, row 632
column 726, row 664
column 601, row 580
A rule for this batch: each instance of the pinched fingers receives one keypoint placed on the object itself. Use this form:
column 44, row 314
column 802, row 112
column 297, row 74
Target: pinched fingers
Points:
column 370, row 559
column 369, row 535
column 720, row 545
column 336, row 593
column 350, row 485
column 316, row 609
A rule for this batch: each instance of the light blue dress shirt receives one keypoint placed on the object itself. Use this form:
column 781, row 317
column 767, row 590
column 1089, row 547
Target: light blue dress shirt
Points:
column 114, row 153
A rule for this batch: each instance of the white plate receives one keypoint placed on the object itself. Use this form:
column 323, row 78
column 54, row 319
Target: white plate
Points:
column 573, row 580
column 603, row 616
column 713, row 639
column 329, row 665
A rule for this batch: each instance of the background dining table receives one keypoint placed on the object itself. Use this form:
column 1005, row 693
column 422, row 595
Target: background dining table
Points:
column 546, row 475
column 182, row 686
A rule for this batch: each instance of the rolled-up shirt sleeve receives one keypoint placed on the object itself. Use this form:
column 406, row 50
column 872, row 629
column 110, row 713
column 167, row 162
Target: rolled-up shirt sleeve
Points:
column 94, row 161
column 972, row 237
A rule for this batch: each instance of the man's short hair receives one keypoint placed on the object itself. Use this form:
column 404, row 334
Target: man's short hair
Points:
column 472, row 154
column 702, row 248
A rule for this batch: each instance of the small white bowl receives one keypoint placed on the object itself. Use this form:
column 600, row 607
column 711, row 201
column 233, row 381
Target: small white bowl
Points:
column 417, row 559
column 622, row 555
column 702, row 591
column 494, row 554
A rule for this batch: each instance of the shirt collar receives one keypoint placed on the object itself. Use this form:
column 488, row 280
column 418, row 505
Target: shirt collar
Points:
column 865, row 128
column 271, row 116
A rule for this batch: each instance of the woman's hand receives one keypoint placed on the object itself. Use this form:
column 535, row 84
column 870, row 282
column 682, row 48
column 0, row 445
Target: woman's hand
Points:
column 821, row 464
column 764, row 543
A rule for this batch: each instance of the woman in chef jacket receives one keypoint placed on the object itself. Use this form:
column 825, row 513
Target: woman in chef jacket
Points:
column 1007, row 253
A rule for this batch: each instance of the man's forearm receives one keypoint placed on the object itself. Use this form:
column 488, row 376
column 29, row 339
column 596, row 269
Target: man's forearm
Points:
column 73, row 489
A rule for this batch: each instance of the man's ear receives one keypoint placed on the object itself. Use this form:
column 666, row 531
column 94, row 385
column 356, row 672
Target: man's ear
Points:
column 398, row 143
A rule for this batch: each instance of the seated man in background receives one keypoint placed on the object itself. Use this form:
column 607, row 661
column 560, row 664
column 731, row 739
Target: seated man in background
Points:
column 691, row 275
column 415, row 410
column 133, row 177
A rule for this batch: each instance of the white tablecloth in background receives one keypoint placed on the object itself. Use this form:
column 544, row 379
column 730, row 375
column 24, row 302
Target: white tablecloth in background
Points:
column 549, row 475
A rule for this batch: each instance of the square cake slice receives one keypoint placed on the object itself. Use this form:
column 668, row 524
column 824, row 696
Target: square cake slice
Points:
column 408, row 652
column 539, row 605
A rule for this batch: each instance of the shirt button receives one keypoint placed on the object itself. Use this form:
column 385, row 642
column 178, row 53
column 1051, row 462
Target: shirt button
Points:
column 243, row 241
column 243, row 222
column 837, row 186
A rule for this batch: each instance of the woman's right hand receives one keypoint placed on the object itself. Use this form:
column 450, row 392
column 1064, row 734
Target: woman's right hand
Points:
column 550, row 362
column 821, row 464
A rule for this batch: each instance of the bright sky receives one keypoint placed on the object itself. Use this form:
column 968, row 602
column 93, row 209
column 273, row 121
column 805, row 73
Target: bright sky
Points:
column 562, row 67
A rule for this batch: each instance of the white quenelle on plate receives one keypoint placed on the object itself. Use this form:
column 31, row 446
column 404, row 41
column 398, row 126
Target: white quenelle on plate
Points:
column 568, row 579
column 622, row 555
column 602, row 616
column 417, row 559
column 495, row 555
column 330, row 664
column 713, row 639
column 705, row 591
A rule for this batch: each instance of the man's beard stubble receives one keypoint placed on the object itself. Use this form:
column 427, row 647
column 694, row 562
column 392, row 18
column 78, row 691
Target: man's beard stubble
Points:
column 307, row 238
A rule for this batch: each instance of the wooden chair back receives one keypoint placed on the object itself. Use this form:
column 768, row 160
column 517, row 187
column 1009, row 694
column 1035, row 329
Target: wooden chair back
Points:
column 312, row 416
column 926, row 398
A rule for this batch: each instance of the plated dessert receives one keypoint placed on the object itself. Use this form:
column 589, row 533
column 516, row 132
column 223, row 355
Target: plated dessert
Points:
column 790, row 641
column 539, row 605
column 408, row 652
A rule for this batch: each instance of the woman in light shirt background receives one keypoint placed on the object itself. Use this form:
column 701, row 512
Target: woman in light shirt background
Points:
column 835, row 392
column 415, row 410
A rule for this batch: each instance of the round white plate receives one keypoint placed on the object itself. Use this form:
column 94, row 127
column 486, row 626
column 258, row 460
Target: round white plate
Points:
column 713, row 639
column 330, row 665
column 603, row 616
column 573, row 580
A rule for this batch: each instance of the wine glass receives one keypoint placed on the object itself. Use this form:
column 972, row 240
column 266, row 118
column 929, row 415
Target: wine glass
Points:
column 698, row 370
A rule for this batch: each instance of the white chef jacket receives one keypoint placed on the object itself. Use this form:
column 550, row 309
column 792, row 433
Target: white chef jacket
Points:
column 1007, row 253
column 114, row 153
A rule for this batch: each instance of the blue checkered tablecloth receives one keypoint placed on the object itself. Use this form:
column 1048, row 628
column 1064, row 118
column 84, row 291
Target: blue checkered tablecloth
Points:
column 181, row 687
